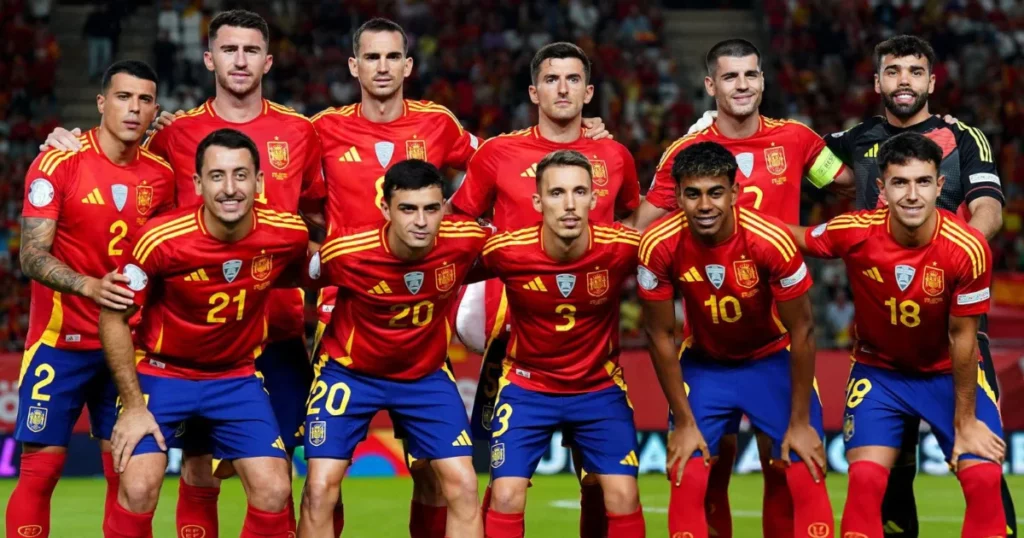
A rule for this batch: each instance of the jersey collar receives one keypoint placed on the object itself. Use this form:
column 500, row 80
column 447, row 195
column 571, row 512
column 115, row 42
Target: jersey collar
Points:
column 590, row 239
column 405, row 109
column 535, row 131
column 760, row 127
column 93, row 137
column 935, row 232
column 213, row 113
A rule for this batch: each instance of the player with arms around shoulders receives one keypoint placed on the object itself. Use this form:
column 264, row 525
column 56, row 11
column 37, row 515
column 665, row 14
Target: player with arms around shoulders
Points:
column 397, row 282
column 202, row 276
column 563, row 280
column 920, row 278
column 738, row 272
column 79, row 210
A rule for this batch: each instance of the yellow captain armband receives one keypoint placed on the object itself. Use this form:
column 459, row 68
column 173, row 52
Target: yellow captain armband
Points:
column 825, row 168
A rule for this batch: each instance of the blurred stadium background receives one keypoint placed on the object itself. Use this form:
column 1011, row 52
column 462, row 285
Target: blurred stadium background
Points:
column 472, row 56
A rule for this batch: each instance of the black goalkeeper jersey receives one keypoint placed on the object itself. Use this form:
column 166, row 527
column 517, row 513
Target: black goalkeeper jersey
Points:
column 967, row 159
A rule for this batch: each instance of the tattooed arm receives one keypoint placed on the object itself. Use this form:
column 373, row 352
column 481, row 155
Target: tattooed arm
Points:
column 38, row 264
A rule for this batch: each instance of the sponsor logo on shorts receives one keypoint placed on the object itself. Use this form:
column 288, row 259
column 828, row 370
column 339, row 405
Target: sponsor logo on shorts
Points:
column 497, row 455
column 36, row 419
column 317, row 432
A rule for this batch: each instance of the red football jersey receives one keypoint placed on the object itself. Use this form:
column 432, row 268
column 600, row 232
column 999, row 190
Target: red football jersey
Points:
column 729, row 289
column 393, row 318
column 502, row 175
column 903, row 297
column 98, row 206
column 290, row 160
column 204, row 301
column 767, row 181
column 566, row 336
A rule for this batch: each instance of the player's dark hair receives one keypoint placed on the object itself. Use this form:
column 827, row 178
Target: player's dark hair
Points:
column 134, row 68
column 559, row 51
column 239, row 18
column 902, row 46
column 230, row 139
column 563, row 157
column 411, row 175
column 379, row 24
column 908, row 146
column 730, row 48
column 704, row 159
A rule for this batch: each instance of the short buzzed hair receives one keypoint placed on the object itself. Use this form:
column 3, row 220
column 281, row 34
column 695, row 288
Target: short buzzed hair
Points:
column 379, row 24
column 559, row 51
column 239, row 18
column 563, row 157
column 730, row 48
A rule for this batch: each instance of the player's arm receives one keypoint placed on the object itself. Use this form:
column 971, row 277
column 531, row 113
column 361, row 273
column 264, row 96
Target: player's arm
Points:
column 971, row 436
column 986, row 215
column 801, row 437
column 644, row 215
column 979, row 180
column 822, row 167
column 478, row 189
column 661, row 196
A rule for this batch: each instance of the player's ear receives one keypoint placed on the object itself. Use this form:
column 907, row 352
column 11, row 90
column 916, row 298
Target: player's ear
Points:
column 353, row 67
column 269, row 62
column 408, row 67
column 198, row 181
column 931, row 83
column 385, row 211
column 534, row 98
column 100, row 100
column 709, row 85
column 208, row 60
column 940, row 181
column 536, row 203
column 878, row 85
column 259, row 182
column 589, row 95
column 593, row 199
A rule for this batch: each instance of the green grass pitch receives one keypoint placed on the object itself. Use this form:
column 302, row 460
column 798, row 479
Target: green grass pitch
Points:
column 378, row 507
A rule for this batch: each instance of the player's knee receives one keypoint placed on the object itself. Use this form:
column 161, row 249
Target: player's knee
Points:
column 867, row 477
column 319, row 496
column 461, row 487
column 139, row 495
column 197, row 471
column 426, row 488
column 508, row 498
column 271, row 494
column 621, row 497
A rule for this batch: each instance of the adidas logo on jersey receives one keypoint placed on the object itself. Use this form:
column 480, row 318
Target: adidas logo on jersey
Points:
column 873, row 152
column 530, row 172
column 536, row 285
column 692, row 276
column 463, row 440
column 351, row 156
column 94, row 197
column 873, row 274
column 380, row 289
column 197, row 276
column 630, row 460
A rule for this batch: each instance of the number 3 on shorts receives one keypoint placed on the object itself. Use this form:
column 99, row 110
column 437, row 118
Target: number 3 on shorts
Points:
column 332, row 405
column 503, row 413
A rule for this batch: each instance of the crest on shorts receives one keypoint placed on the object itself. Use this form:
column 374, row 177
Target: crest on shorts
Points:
column 934, row 281
column 847, row 428
column 262, row 266
column 230, row 269
column 775, row 159
column 497, row 455
column 180, row 430
column 119, row 193
column 904, row 276
column 597, row 282
column 278, row 153
column 566, row 282
column 384, row 151
column 317, row 432
column 36, row 419
column 486, row 414
column 600, row 175
column 746, row 273
column 444, row 277
column 716, row 275
column 414, row 281
column 143, row 199
column 416, row 149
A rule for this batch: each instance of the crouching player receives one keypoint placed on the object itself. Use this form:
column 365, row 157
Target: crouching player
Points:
column 563, row 280
column 386, row 344
column 202, row 276
column 739, row 273
column 920, row 279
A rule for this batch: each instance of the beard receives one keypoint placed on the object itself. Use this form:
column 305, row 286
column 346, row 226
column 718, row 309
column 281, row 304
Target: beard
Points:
column 901, row 110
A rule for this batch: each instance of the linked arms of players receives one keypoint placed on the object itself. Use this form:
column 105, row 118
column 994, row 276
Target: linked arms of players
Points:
column 801, row 437
column 134, row 420
column 38, row 264
column 986, row 215
column 971, row 436
column 659, row 323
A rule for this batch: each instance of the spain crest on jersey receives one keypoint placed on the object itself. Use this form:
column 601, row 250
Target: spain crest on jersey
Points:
column 278, row 153
column 444, row 277
column 600, row 175
column 317, row 432
column 143, row 199
column 497, row 455
column 746, row 273
column 597, row 283
column 36, row 419
column 416, row 149
column 262, row 266
column 934, row 281
column 775, row 159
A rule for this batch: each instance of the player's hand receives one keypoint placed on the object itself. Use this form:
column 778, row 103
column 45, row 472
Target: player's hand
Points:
column 131, row 427
column 164, row 120
column 976, row 438
column 948, row 119
column 804, row 440
column 682, row 443
column 704, row 122
column 62, row 139
column 594, row 129
column 106, row 292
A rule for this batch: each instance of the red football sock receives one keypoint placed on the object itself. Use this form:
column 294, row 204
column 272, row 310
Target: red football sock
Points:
column 686, row 502
column 627, row 525
column 982, row 490
column 339, row 520
column 777, row 507
column 863, row 511
column 812, row 511
column 593, row 522
column 427, row 521
column 500, row 525
column 125, row 524
column 196, row 513
column 264, row 524
column 290, row 508
column 113, row 483
column 716, row 500
column 28, row 509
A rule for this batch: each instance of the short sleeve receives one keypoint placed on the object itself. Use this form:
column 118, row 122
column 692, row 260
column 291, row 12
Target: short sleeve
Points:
column 788, row 274
column 160, row 143
column 819, row 241
column 654, row 269
column 326, row 267
column 46, row 185
column 628, row 198
column 463, row 147
column 314, row 190
column 662, row 193
column 476, row 193
column 141, row 261
column 971, row 287
column 978, row 175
